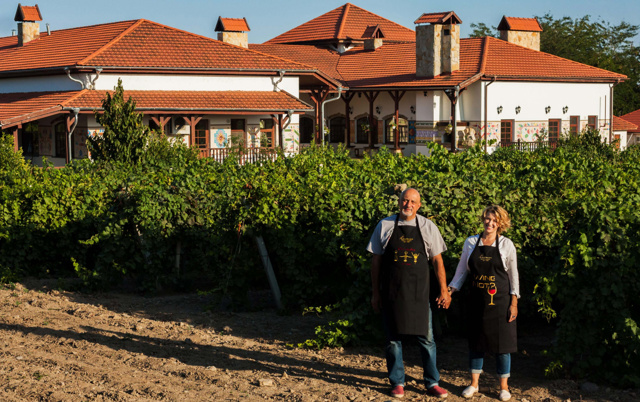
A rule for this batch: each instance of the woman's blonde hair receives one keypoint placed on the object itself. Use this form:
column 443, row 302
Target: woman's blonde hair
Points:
column 502, row 216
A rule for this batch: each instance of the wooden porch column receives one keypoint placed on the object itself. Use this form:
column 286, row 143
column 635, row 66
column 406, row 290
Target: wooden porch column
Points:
column 161, row 121
column 346, row 97
column 192, row 121
column 15, row 139
column 371, row 97
column 318, row 96
column 71, row 119
column 454, row 95
column 396, row 96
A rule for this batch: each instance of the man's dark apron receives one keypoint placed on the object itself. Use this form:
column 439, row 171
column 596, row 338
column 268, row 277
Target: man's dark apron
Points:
column 404, row 282
column 489, row 300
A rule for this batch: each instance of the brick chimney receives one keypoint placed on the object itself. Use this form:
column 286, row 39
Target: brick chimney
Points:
column 437, row 44
column 28, row 28
column 233, row 31
column 373, row 37
column 521, row 31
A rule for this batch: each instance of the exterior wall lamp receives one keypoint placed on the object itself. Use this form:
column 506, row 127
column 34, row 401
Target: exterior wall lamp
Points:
column 518, row 109
column 547, row 109
column 565, row 109
column 499, row 109
column 424, row 93
column 413, row 109
column 377, row 109
column 350, row 109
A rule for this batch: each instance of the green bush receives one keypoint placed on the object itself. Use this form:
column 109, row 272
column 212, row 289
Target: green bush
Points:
column 575, row 225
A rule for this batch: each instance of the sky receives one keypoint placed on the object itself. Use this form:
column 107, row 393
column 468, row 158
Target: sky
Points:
column 268, row 19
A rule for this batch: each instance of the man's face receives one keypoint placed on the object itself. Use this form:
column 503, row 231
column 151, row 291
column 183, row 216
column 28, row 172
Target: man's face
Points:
column 409, row 204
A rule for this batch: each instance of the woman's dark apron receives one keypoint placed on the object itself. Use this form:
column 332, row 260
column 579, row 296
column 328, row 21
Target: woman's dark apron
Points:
column 404, row 282
column 489, row 300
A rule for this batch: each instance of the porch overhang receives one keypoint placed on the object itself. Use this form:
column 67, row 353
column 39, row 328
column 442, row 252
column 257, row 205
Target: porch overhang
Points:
column 20, row 108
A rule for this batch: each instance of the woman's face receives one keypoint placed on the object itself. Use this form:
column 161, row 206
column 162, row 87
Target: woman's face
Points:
column 490, row 223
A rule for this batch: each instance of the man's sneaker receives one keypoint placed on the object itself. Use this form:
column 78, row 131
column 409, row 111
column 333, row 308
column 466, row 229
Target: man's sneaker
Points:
column 397, row 391
column 437, row 392
column 469, row 391
column 504, row 395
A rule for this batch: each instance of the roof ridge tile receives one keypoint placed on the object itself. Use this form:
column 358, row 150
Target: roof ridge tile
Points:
column 343, row 20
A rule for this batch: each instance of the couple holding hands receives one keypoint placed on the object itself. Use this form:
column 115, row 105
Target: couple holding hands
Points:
column 402, row 246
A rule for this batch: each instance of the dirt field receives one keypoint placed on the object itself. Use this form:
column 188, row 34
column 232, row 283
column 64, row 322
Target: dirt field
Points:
column 65, row 346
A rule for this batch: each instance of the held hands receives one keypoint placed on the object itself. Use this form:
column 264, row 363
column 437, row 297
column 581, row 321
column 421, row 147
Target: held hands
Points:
column 444, row 300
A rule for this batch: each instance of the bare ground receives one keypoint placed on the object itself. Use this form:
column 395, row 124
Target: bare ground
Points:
column 67, row 346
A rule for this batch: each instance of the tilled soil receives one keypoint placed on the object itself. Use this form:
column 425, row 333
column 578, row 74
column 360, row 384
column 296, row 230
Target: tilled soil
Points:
column 67, row 346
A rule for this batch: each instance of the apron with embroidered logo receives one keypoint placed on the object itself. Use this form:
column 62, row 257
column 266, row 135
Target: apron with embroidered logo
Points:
column 404, row 281
column 489, row 300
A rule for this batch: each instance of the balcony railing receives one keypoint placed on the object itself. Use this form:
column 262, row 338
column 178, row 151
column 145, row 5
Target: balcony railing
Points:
column 244, row 155
column 529, row 146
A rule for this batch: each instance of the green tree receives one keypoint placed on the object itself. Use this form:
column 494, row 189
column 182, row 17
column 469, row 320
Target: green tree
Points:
column 125, row 136
column 598, row 44
column 480, row 30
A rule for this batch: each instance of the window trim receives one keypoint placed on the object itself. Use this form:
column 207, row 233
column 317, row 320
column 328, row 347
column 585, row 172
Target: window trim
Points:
column 511, row 133
column 388, row 139
column 572, row 125
column 344, row 128
column 549, row 138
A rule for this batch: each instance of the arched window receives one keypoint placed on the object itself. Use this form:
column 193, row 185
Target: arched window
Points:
column 362, row 127
column 306, row 129
column 337, row 129
column 403, row 131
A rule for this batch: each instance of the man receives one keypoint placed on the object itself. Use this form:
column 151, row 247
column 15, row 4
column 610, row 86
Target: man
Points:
column 402, row 246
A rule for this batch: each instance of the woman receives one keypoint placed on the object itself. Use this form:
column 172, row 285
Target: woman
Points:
column 490, row 259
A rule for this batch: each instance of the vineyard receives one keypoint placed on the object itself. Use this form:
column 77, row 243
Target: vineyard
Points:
column 174, row 222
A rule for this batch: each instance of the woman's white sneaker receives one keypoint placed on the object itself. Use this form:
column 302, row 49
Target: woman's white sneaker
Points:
column 504, row 395
column 469, row 391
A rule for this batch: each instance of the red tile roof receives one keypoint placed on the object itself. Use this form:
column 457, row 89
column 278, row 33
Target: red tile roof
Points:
column 232, row 25
column 345, row 22
column 134, row 44
column 65, row 47
column 150, row 45
column 24, row 107
column 519, row 24
column 31, row 105
column 393, row 64
column 447, row 17
column 28, row 13
column 633, row 118
column 620, row 124
column 321, row 58
column 509, row 61
column 211, row 101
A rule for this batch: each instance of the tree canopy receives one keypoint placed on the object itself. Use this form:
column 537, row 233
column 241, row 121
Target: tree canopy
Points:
column 125, row 136
column 596, row 43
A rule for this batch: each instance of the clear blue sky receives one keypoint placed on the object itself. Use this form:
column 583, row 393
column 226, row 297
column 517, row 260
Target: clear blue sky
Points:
column 269, row 18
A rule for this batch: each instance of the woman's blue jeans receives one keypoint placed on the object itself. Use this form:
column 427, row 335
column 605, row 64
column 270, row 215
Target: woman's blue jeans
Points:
column 503, row 363
column 393, row 353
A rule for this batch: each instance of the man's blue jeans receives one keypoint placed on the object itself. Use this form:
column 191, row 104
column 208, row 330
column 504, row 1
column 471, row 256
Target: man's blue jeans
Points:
column 393, row 353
